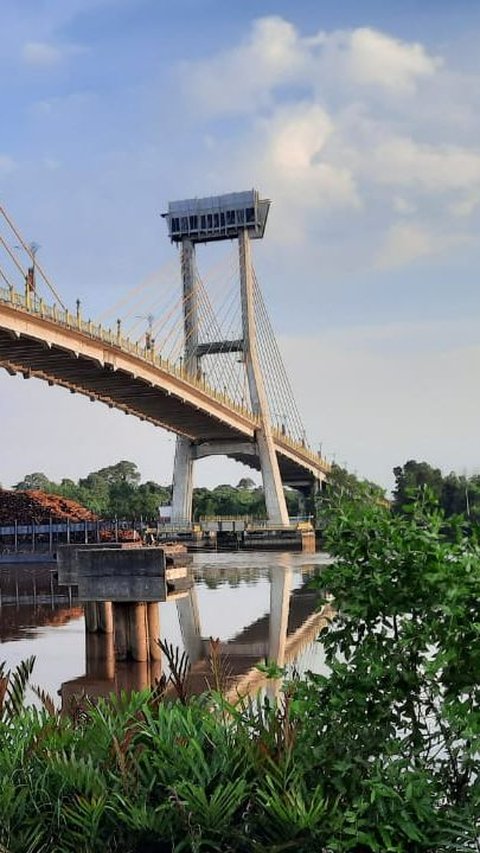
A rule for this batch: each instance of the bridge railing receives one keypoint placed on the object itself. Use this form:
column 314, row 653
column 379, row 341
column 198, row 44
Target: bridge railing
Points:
column 33, row 304
column 316, row 460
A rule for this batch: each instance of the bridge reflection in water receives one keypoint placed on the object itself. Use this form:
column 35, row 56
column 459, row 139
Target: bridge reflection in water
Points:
column 261, row 606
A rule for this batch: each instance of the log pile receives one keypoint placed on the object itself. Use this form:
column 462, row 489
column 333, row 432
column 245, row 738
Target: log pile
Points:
column 39, row 507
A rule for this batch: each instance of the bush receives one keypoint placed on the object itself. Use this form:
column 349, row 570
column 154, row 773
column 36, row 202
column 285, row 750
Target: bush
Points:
column 381, row 755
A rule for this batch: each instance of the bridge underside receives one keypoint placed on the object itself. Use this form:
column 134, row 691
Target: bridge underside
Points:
column 124, row 387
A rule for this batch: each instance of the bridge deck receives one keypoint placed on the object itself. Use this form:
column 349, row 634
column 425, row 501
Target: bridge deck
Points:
column 38, row 341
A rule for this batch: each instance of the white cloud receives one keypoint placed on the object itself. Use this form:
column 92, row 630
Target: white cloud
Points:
column 245, row 77
column 7, row 164
column 292, row 151
column 436, row 168
column 41, row 54
column 406, row 242
column 355, row 143
column 374, row 58
column 241, row 79
column 51, row 164
column 465, row 206
column 403, row 206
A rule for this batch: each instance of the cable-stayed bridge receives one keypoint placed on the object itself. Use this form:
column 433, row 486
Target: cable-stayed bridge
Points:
column 201, row 361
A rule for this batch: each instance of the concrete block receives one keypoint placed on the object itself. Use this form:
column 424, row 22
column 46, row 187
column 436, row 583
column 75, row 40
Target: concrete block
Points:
column 67, row 559
column 133, row 575
column 122, row 589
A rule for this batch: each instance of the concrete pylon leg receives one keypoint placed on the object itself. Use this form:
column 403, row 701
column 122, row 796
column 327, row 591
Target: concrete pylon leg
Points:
column 99, row 656
column 153, row 619
column 275, row 502
column 182, row 492
column 272, row 483
column 122, row 630
column 280, row 587
column 139, row 647
column 91, row 617
column 105, row 617
column 189, row 619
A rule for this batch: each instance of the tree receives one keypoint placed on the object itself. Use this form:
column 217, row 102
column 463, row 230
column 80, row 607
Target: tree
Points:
column 121, row 472
column 36, row 481
column 246, row 483
column 395, row 726
column 149, row 497
column 343, row 485
column 96, row 493
column 456, row 494
column 411, row 476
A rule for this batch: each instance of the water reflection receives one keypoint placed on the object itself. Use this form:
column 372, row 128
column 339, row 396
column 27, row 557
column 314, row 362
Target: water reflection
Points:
column 264, row 611
column 105, row 675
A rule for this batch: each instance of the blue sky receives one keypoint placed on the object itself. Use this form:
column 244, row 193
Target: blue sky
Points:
column 360, row 121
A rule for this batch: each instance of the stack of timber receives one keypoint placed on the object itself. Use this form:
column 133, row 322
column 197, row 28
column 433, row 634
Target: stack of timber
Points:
column 39, row 508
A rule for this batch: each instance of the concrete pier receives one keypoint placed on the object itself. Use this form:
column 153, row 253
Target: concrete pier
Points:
column 153, row 625
column 98, row 617
column 136, row 630
column 122, row 590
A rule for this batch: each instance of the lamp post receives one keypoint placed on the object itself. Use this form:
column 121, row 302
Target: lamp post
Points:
column 30, row 278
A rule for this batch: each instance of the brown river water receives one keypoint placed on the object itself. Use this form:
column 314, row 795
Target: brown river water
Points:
column 260, row 605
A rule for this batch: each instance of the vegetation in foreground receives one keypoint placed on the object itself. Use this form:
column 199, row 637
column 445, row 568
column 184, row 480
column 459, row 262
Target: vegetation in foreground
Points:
column 381, row 755
column 456, row 494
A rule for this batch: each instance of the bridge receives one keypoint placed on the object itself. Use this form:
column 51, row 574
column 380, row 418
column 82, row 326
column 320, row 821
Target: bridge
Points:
column 44, row 340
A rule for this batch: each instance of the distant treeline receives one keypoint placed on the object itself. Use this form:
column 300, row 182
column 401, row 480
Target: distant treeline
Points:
column 456, row 494
column 116, row 491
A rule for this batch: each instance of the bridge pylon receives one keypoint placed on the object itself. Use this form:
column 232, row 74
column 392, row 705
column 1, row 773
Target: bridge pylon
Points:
column 241, row 216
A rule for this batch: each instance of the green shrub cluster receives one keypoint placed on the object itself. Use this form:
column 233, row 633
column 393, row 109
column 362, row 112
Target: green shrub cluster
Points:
column 382, row 755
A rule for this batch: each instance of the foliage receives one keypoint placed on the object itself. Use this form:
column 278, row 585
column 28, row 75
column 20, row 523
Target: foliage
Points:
column 113, row 491
column 382, row 755
column 455, row 493
column 116, row 491
column 343, row 486
column 395, row 725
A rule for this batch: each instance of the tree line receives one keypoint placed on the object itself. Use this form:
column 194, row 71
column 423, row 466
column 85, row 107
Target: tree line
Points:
column 456, row 494
column 116, row 491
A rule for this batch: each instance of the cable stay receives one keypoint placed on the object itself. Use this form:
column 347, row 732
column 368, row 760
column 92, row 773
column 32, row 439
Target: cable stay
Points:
column 34, row 273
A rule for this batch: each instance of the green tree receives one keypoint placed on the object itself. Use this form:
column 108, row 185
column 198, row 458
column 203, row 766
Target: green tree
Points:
column 411, row 476
column 96, row 492
column 36, row 481
column 149, row 497
column 121, row 472
column 395, row 725
column 246, row 483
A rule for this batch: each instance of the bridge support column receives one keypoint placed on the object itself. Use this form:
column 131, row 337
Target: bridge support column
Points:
column 98, row 617
column 183, row 465
column 182, row 492
column 280, row 589
column 189, row 619
column 131, row 631
column 272, row 484
column 153, row 620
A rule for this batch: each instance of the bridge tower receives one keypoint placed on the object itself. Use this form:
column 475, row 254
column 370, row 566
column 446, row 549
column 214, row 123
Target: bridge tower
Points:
column 242, row 217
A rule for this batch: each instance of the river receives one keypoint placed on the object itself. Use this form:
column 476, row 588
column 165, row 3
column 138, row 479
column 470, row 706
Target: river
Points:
column 260, row 605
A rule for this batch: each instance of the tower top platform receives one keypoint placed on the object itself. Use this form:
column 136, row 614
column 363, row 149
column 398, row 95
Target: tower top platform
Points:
column 220, row 217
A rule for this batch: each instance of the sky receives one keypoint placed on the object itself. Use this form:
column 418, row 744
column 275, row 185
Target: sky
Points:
column 359, row 120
